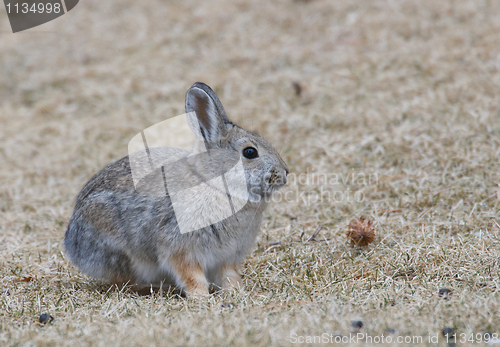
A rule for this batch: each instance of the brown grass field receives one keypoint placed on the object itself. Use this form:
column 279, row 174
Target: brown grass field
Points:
column 404, row 96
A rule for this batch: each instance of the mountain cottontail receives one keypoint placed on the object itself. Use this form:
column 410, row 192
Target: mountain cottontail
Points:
column 121, row 234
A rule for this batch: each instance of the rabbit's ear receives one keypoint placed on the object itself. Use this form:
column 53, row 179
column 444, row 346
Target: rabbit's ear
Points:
column 209, row 111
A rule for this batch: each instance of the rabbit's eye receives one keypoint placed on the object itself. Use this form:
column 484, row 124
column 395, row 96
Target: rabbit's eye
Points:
column 250, row 153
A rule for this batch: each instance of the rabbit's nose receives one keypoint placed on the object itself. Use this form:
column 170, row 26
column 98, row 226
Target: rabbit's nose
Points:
column 283, row 176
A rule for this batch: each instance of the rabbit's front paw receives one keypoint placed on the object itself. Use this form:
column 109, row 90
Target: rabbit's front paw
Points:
column 192, row 278
column 231, row 279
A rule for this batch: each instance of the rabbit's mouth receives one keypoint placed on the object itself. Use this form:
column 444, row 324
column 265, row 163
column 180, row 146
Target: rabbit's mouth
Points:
column 274, row 180
column 277, row 178
column 264, row 187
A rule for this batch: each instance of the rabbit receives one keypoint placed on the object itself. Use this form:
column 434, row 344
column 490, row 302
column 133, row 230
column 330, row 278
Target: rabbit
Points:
column 121, row 235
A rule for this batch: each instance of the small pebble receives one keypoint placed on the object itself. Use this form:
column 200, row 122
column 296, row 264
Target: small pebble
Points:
column 227, row 305
column 357, row 324
column 445, row 293
column 390, row 331
column 448, row 331
column 297, row 87
column 45, row 318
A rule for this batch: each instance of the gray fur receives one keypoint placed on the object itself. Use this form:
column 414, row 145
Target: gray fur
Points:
column 120, row 234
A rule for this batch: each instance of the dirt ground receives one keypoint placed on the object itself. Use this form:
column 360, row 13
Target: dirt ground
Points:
column 387, row 110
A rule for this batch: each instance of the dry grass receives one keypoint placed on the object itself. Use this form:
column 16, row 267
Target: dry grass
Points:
column 409, row 91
